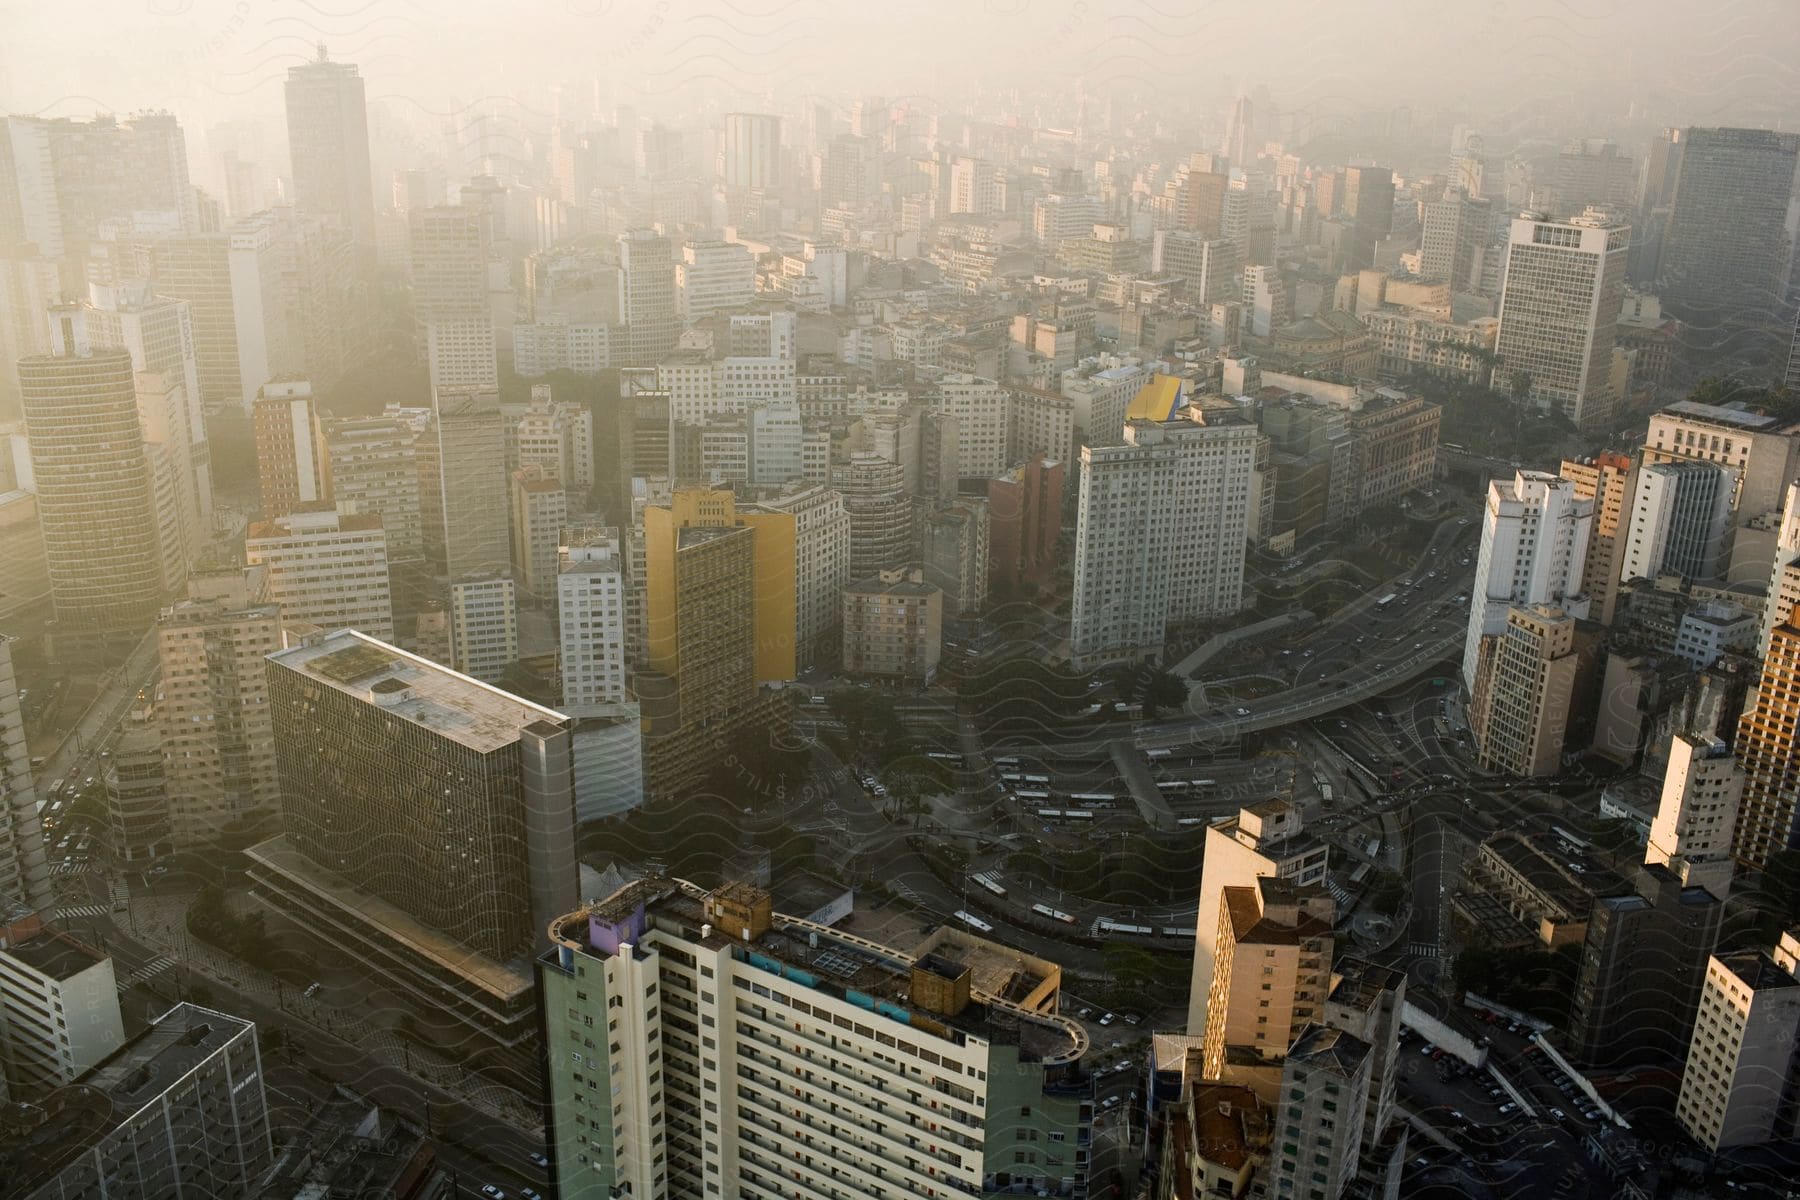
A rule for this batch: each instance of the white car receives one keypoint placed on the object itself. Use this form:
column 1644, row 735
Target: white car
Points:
column 492, row 1192
column 1107, row 1019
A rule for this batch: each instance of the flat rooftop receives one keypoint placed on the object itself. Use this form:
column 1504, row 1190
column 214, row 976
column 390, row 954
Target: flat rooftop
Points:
column 1757, row 970
column 474, row 714
column 56, row 955
column 37, row 1142
column 837, row 963
column 1720, row 414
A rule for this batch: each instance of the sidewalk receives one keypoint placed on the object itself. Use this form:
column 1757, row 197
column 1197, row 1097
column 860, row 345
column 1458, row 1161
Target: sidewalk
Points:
column 160, row 922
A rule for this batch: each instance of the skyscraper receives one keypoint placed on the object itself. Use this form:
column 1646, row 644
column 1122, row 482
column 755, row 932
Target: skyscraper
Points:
column 1697, row 816
column 1767, row 748
column 1534, row 538
column 752, row 154
column 1680, row 514
column 450, row 296
column 1521, row 701
column 326, row 568
column 96, row 492
column 374, row 469
column 1452, row 239
column 1725, row 245
column 647, row 299
column 24, row 869
column 1271, row 968
column 1740, row 1065
column 1559, row 313
column 591, row 625
column 328, row 143
column 468, row 474
column 293, row 462
column 846, row 1054
column 1163, row 522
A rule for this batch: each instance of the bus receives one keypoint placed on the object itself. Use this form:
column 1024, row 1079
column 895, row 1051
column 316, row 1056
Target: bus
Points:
column 973, row 922
column 1387, row 600
column 1105, row 925
column 1202, row 783
column 1176, row 931
column 1156, row 754
column 1007, row 761
column 943, row 756
column 1191, row 821
column 1092, row 798
column 1055, row 914
column 1032, row 795
column 1037, row 779
column 1049, row 814
column 1077, row 814
column 1010, row 776
column 991, row 882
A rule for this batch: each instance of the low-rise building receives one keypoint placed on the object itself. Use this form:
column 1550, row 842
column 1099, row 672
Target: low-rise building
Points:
column 59, row 1007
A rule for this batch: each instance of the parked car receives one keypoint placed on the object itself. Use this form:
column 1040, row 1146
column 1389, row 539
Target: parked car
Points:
column 538, row 1160
column 492, row 1192
column 1107, row 1018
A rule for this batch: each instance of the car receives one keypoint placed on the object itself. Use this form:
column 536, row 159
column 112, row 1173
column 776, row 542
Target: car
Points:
column 1110, row 1102
column 1559, row 1114
column 1243, row 712
column 538, row 1160
column 1428, row 1049
column 1133, row 1019
column 492, row 1192
column 1085, row 1013
column 1107, row 1018
column 1508, row 1107
column 312, row 989
column 526, row 1193
column 1456, row 1115
column 1590, row 1114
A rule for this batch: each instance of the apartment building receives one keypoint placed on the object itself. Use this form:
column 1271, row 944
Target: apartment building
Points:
column 325, row 568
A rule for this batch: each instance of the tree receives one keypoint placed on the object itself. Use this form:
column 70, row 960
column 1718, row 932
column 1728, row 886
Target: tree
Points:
column 1152, row 685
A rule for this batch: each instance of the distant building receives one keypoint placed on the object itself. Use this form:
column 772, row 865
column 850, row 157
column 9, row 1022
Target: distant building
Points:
column 1559, row 312
column 1534, row 538
column 24, row 868
column 484, row 625
column 1024, row 524
column 325, row 569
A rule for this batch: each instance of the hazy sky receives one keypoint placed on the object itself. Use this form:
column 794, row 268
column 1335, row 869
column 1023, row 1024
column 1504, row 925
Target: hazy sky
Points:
column 1678, row 60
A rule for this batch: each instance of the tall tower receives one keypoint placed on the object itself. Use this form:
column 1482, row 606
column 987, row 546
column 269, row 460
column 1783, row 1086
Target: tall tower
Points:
column 647, row 300
column 328, row 144
column 1723, row 252
column 96, row 494
column 1559, row 312
column 752, row 154
column 24, row 870
column 450, row 296
column 1766, row 748
column 1534, row 538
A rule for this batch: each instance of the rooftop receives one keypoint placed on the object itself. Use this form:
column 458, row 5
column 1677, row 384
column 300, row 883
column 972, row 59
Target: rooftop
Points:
column 1734, row 415
column 56, row 955
column 449, row 704
column 861, row 971
column 1757, row 970
column 37, row 1142
column 1322, row 1047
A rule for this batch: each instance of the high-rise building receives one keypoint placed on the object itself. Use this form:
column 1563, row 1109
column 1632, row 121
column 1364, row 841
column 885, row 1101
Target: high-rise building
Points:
column 1680, row 513
column 24, row 868
column 1736, row 1087
column 821, row 563
column 137, row 794
column 1369, row 211
column 466, row 528
column 1695, row 820
column 325, row 568
column 590, row 611
column 1655, row 927
column 1534, row 538
column 1591, row 173
column 179, row 1108
column 954, row 548
column 751, row 158
column 1163, row 524
column 61, row 180
column 450, row 296
column 1271, row 968
column 293, row 461
column 213, row 706
column 328, row 146
column 1607, row 480
column 1522, row 698
column 540, row 509
column 648, row 305
column 880, row 512
column 714, row 277
column 1766, row 748
column 819, row 1103
column 61, row 1002
column 1453, row 238
column 1761, row 450
column 1559, row 313
column 428, row 825
column 96, row 492
column 374, row 470
column 1725, row 245
column 1325, row 1081
column 1368, row 1002
column 484, row 625
column 1268, row 839
column 554, row 437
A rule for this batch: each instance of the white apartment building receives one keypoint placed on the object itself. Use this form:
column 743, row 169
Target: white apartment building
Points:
column 484, row 626
column 59, row 1007
column 326, row 568
column 1161, row 531
column 692, row 382
column 1680, row 514
column 1534, row 536
column 1762, row 451
column 821, row 562
column 1559, row 312
column 375, row 469
column 1039, row 424
column 554, row 342
column 1267, row 307
column 590, row 592
column 1739, row 1073
column 270, row 342
column 1691, row 835
column 714, row 277
column 740, row 1050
